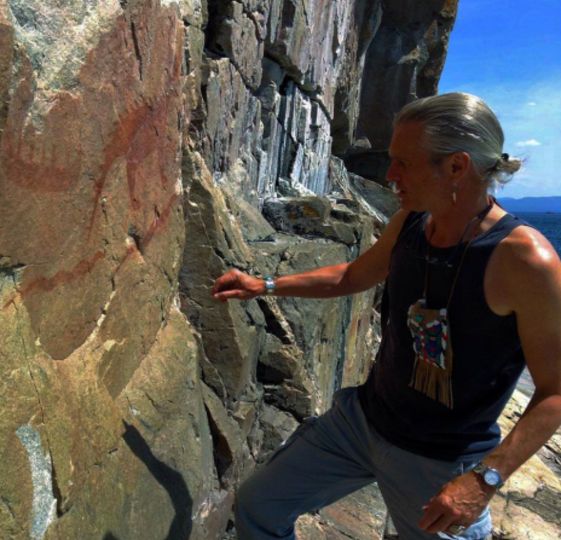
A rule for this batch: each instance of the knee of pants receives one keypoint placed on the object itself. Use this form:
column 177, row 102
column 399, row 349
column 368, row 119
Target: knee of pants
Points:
column 243, row 498
column 254, row 506
column 249, row 496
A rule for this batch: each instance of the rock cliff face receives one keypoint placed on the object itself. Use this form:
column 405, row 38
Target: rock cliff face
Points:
column 146, row 147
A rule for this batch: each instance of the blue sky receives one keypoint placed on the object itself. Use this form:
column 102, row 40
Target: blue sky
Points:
column 509, row 53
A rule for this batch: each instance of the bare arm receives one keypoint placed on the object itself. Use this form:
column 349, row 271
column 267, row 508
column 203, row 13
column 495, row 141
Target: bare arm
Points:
column 527, row 282
column 325, row 282
column 534, row 285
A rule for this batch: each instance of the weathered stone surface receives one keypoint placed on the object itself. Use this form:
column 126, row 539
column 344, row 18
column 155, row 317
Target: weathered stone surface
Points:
column 309, row 79
column 366, row 195
column 228, row 444
column 232, row 121
column 365, row 22
column 307, row 38
column 306, row 144
column 529, row 505
column 153, row 464
column 20, row 404
column 277, row 426
column 91, row 242
column 254, row 226
column 256, row 143
column 377, row 197
column 403, row 62
column 360, row 516
column 308, row 217
column 230, row 337
column 238, row 34
column 51, row 148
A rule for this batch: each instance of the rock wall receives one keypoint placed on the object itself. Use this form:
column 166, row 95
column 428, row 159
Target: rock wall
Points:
column 145, row 148
column 404, row 61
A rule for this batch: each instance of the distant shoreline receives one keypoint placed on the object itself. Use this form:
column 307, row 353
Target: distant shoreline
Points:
column 532, row 205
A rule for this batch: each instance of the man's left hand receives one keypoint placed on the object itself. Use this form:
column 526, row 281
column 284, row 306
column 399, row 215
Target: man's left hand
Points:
column 459, row 502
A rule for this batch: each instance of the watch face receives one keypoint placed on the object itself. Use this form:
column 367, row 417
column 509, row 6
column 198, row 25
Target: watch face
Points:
column 492, row 477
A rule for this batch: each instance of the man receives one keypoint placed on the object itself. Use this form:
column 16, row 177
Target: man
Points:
column 471, row 296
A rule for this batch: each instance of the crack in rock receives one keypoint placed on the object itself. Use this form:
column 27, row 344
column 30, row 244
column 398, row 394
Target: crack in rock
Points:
column 137, row 51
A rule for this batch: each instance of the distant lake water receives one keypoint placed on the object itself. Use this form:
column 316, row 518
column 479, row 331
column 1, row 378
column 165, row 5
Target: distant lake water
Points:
column 549, row 224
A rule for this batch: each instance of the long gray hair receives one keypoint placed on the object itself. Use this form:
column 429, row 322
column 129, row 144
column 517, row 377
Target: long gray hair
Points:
column 459, row 122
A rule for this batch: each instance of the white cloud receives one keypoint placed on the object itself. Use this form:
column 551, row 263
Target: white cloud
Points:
column 529, row 142
column 521, row 122
column 531, row 103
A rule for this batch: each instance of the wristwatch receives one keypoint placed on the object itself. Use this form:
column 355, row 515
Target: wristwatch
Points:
column 269, row 285
column 490, row 476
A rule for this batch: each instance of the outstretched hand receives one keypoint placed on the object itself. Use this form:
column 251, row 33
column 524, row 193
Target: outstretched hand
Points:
column 237, row 285
column 459, row 503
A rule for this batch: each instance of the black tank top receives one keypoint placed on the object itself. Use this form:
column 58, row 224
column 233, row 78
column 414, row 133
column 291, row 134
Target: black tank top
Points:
column 488, row 357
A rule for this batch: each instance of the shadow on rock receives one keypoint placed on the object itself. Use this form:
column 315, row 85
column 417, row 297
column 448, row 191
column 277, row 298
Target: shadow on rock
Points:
column 169, row 479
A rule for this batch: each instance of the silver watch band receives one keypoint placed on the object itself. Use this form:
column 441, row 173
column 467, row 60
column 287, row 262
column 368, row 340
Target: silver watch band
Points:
column 492, row 477
column 270, row 285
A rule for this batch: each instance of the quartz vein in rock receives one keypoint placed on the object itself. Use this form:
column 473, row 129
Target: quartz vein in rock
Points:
column 44, row 503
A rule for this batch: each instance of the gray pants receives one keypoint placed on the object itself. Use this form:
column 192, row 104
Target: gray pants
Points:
column 331, row 456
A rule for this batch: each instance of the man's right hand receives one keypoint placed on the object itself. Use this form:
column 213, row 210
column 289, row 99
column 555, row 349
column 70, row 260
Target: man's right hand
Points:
column 323, row 282
column 236, row 284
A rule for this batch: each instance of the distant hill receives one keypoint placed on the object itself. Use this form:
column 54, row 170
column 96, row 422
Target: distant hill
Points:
column 532, row 204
